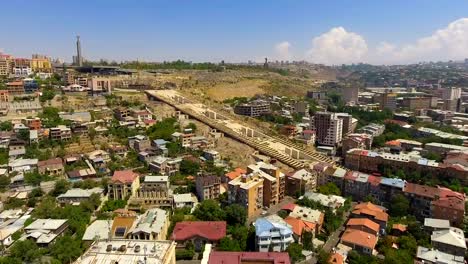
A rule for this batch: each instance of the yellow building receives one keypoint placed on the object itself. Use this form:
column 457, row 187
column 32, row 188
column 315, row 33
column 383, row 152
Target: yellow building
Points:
column 123, row 185
column 6, row 64
column 247, row 190
column 41, row 63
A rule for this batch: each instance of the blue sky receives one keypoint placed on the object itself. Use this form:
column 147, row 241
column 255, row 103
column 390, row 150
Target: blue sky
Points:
column 330, row 32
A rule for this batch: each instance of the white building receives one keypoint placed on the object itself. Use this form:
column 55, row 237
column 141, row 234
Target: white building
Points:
column 451, row 93
column 272, row 235
column 185, row 200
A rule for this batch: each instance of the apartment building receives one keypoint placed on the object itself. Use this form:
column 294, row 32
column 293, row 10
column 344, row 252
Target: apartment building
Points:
column 247, row 190
column 208, row 187
column 41, row 63
column 436, row 202
column 371, row 161
column 361, row 141
column 451, row 241
column 253, row 109
column 123, row 185
column 300, row 181
column 328, row 128
column 388, row 100
column 33, row 123
column 443, row 149
column 262, row 185
column 272, row 235
column 15, row 88
column 349, row 124
column 416, row 103
column 60, row 133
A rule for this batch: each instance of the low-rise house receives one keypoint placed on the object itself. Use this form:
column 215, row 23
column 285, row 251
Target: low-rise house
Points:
column 97, row 230
column 22, row 165
column 363, row 224
column 8, row 228
column 199, row 233
column 331, row 201
column 76, row 195
column 99, row 154
column 360, row 241
column 123, row 184
column 185, row 200
column 211, row 155
column 152, row 225
column 51, row 167
column 432, row 224
column 208, row 187
column 272, row 236
column 122, row 223
column 434, row 256
column 451, row 241
column 118, row 150
column 147, row 156
column 165, row 166
column 139, row 143
column 46, row 231
column 160, row 146
column 233, row 174
column 373, row 212
column 60, row 133
column 142, row 115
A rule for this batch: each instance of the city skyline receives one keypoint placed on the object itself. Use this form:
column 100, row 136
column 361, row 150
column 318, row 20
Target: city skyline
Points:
column 319, row 32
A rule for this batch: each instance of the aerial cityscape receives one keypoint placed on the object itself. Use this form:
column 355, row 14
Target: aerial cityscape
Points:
column 243, row 132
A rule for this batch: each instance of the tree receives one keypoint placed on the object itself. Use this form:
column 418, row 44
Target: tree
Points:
column 399, row 206
column 61, row 187
column 323, row 257
column 191, row 126
column 209, row 210
column 235, row 215
column 23, row 134
column 66, row 248
column 295, row 252
column 188, row 167
column 355, row 258
column 329, row 188
column 6, row 126
column 162, row 129
column 229, row 244
column 307, row 240
column 4, row 182
column 111, row 205
column 26, row 250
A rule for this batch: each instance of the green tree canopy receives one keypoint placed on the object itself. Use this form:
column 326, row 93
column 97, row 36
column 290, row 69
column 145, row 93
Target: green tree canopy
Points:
column 209, row 210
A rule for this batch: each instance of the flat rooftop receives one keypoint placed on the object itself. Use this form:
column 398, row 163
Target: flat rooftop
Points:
column 128, row 252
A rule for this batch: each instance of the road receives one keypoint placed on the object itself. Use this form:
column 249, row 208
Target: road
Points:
column 274, row 209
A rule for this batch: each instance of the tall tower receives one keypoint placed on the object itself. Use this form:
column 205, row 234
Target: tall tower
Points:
column 79, row 59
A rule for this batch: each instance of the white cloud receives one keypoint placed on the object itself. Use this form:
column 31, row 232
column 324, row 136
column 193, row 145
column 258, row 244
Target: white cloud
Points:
column 282, row 51
column 337, row 46
column 449, row 43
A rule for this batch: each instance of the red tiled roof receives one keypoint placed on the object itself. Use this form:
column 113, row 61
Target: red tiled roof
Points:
column 56, row 161
column 235, row 173
column 364, row 222
column 420, row 190
column 371, row 210
column 224, row 257
column 298, row 225
column 359, row 238
column 374, row 180
column 336, row 258
column 395, row 143
column 289, row 207
column 399, row 227
column 125, row 176
column 211, row 230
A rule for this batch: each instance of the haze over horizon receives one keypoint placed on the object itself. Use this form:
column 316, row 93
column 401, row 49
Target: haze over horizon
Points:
column 395, row 32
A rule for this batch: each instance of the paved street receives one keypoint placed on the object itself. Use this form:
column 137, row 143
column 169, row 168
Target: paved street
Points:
column 274, row 209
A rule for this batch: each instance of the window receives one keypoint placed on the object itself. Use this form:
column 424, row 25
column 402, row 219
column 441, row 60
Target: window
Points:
column 120, row 231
